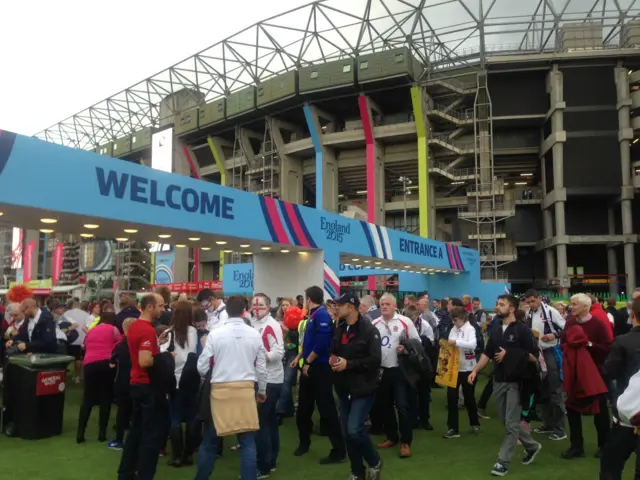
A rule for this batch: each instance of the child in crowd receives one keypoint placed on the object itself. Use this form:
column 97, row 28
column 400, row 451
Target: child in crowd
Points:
column 463, row 337
column 121, row 360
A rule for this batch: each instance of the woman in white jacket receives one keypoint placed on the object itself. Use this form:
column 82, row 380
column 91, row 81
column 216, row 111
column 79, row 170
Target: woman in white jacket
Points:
column 182, row 339
column 462, row 336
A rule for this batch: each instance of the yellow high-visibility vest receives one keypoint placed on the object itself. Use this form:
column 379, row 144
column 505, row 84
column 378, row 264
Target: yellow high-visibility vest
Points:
column 302, row 326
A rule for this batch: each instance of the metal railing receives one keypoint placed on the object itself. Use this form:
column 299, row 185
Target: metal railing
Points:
column 454, row 172
column 499, row 207
column 443, row 137
column 495, row 188
column 459, row 114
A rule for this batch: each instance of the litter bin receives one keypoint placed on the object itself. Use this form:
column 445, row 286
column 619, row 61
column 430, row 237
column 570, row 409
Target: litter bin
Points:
column 33, row 400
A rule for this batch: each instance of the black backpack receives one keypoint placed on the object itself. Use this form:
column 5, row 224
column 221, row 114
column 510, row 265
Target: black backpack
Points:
column 162, row 374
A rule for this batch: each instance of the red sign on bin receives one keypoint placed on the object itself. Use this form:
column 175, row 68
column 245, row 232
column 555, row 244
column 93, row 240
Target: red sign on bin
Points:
column 50, row 383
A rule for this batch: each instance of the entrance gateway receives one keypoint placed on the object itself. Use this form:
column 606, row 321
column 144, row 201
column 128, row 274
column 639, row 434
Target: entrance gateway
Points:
column 293, row 246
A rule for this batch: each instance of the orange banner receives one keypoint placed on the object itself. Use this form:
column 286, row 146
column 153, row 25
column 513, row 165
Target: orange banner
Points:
column 448, row 365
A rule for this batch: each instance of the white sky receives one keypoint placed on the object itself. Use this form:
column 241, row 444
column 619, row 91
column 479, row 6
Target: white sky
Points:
column 63, row 56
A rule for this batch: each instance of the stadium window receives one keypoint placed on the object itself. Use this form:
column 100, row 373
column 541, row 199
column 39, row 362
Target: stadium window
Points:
column 400, row 58
column 346, row 68
column 220, row 106
column 364, row 65
column 260, row 91
column 314, row 74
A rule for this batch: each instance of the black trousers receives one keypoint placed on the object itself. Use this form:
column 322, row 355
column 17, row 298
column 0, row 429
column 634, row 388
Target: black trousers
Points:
column 487, row 391
column 317, row 389
column 469, row 393
column 420, row 402
column 98, row 390
column 148, row 432
column 622, row 443
column 125, row 409
column 394, row 390
column 601, row 422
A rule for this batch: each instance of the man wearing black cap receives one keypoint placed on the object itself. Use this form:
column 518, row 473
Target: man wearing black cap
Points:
column 355, row 359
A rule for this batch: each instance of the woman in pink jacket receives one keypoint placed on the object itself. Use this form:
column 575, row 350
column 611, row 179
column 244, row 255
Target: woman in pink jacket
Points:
column 98, row 376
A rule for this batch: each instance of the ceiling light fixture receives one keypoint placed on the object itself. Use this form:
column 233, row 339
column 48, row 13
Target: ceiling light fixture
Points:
column 48, row 220
column 194, row 239
column 302, row 253
column 221, row 242
column 1, row 213
column 228, row 251
column 526, row 174
column 180, row 245
column 130, row 230
column 205, row 248
column 86, row 235
column 152, row 242
column 378, row 263
column 46, row 230
column 245, row 245
column 122, row 239
column 91, row 226
column 164, row 235
column 520, row 183
column 247, row 253
column 367, row 261
column 355, row 259
column 284, row 251
column 265, row 248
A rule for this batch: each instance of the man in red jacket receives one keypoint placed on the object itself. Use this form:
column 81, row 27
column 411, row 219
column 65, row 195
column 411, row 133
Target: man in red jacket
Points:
column 599, row 344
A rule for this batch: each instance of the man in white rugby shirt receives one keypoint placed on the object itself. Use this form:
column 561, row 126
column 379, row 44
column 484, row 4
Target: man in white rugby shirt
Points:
column 236, row 355
column 394, row 387
column 268, row 439
column 547, row 325
column 213, row 303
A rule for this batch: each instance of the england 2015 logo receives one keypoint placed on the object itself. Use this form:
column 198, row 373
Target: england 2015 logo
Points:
column 335, row 231
column 243, row 279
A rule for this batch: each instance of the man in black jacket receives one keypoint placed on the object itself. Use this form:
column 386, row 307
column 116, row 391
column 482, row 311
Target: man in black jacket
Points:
column 38, row 333
column 355, row 359
column 622, row 363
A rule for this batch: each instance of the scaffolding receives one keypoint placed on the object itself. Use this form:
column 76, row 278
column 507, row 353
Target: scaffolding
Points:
column 132, row 269
column 488, row 205
column 263, row 175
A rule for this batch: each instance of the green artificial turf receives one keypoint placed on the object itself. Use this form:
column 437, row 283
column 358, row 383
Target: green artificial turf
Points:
column 467, row 458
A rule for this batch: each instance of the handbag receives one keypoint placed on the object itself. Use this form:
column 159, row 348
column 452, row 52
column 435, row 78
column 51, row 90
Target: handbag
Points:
column 190, row 378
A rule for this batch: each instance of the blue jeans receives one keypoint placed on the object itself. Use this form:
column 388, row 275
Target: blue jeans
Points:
column 268, row 438
column 286, row 404
column 208, row 452
column 183, row 407
column 354, row 413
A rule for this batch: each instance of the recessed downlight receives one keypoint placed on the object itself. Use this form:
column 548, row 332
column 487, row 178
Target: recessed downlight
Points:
column 122, row 239
column 194, row 239
column 265, row 248
column 1, row 213
column 130, row 230
column 284, row 250
column 245, row 245
column 205, row 248
column 180, row 246
column 355, row 259
column 221, row 242
column 46, row 230
column 91, row 226
column 48, row 220
column 152, row 242
column 378, row 263
column 247, row 253
column 302, row 253
column 228, row 251
column 164, row 235
column 367, row 261
column 86, row 235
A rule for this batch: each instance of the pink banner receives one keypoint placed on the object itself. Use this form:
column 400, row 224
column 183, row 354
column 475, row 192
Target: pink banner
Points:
column 56, row 268
column 28, row 261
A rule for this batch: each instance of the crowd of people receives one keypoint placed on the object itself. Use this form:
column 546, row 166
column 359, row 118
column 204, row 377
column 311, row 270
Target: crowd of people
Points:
column 184, row 374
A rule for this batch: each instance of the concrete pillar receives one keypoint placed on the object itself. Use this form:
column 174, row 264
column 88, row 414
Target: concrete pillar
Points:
column 555, row 89
column 625, row 135
column 547, row 225
column 374, row 163
column 420, row 100
column 291, row 174
column 35, row 267
column 612, row 260
column 184, row 163
column 326, row 163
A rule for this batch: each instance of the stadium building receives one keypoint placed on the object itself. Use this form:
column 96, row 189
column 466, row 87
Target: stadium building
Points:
column 503, row 126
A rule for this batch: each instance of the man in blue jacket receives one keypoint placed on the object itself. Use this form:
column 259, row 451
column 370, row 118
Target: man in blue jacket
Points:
column 38, row 333
column 316, row 382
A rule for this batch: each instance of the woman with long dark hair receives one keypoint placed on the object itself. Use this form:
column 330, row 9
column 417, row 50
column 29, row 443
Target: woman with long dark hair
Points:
column 182, row 339
column 98, row 376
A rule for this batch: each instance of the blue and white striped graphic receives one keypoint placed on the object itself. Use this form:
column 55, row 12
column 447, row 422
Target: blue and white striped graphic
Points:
column 378, row 240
